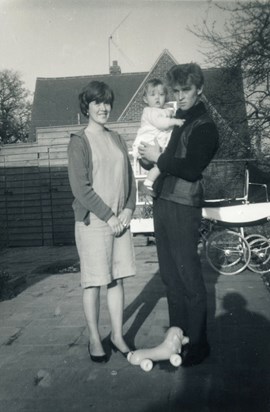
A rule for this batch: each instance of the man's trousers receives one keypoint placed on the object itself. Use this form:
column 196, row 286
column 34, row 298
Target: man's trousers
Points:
column 177, row 235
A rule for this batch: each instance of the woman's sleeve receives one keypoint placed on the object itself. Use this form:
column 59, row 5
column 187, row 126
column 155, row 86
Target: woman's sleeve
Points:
column 81, row 187
column 131, row 201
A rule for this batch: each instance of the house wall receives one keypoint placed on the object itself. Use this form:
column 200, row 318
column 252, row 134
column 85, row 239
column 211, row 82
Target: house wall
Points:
column 35, row 196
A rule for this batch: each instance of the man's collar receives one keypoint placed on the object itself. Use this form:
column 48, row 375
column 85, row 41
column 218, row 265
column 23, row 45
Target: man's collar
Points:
column 194, row 111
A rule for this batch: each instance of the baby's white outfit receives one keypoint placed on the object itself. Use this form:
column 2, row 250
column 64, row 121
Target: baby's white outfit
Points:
column 155, row 124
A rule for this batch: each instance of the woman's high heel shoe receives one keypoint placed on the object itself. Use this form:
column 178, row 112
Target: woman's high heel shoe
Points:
column 116, row 349
column 98, row 359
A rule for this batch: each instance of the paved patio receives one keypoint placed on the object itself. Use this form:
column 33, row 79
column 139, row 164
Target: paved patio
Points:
column 43, row 342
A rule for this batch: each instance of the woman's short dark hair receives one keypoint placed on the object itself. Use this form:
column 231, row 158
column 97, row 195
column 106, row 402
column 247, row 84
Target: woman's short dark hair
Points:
column 182, row 74
column 95, row 91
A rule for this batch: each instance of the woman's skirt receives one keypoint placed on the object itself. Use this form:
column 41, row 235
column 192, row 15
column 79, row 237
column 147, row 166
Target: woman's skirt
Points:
column 103, row 256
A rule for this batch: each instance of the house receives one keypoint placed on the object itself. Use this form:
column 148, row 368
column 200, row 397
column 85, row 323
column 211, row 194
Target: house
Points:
column 35, row 208
column 56, row 99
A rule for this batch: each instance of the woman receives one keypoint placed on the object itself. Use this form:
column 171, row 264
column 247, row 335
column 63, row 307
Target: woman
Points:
column 103, row 185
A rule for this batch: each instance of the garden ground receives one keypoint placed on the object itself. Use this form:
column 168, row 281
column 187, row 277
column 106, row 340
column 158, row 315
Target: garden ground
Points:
column 43, row 341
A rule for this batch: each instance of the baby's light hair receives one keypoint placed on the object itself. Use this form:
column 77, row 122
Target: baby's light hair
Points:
column 153, row 83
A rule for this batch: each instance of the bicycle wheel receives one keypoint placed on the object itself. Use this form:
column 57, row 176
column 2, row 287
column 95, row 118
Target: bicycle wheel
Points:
column 227, row 252
column 259, row 255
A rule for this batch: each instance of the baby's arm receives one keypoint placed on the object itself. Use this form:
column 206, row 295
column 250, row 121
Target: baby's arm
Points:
column 160, row 120
column 169, row 111
column 177, row 122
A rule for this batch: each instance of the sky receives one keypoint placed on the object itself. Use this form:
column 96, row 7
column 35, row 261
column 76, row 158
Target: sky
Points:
column 59, row 38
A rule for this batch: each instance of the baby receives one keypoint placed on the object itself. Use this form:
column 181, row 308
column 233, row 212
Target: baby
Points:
column 156, row 124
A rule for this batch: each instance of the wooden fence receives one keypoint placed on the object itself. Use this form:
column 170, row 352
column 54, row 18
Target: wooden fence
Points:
column 35, row 196
column 35, row 201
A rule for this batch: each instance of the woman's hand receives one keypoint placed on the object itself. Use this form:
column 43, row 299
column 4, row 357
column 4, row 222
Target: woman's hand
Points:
column 125, row 217
column 116, row 225
column 149, row 152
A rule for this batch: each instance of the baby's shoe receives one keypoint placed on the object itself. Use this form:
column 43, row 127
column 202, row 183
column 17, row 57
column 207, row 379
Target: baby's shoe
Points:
column 147, row 188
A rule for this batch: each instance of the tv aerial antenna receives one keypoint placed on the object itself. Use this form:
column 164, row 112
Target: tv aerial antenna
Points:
column 111, row 41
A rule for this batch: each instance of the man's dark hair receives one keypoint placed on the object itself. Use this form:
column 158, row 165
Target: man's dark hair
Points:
column 182, row 74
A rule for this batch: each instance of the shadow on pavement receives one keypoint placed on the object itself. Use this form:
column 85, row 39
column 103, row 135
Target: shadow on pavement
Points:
column 148, row 298
column 146, row 301
column 236, row 377
column 14, row 284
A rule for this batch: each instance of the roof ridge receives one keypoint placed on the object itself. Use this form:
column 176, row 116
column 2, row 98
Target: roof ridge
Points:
column 148, row 74
column 121, row 74
column 92, row 75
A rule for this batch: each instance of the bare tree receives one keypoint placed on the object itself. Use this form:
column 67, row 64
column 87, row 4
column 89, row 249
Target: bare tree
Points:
column 15, row 108
column 245, row 44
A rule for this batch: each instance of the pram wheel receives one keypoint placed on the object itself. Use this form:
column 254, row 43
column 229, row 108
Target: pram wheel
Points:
column 259, row 255
column 227, row 252
column 266, row 229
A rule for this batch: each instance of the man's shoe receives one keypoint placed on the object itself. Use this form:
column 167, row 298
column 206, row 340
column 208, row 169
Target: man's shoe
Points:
column 195, row 354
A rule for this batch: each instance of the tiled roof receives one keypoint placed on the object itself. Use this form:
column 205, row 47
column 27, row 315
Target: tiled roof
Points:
column 56, row 99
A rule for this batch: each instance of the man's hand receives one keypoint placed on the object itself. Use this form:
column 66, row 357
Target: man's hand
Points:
column 150, row 152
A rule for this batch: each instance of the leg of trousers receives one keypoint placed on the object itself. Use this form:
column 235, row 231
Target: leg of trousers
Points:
column 177, row 232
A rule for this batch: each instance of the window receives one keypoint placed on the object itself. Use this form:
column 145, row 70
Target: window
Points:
column 140, row 173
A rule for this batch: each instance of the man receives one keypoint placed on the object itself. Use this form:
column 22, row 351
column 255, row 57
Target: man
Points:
column 177, row 208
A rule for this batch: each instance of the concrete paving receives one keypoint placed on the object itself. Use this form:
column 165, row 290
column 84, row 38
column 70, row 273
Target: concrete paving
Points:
column 44, row 364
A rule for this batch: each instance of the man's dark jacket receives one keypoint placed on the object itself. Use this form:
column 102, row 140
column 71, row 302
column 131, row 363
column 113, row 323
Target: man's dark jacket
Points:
column 190, row 150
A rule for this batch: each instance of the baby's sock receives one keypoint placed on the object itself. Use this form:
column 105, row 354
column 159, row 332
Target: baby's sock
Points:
column 148, row 183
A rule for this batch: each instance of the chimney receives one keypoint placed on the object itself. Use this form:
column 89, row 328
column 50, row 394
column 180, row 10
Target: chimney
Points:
column 115, row 69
